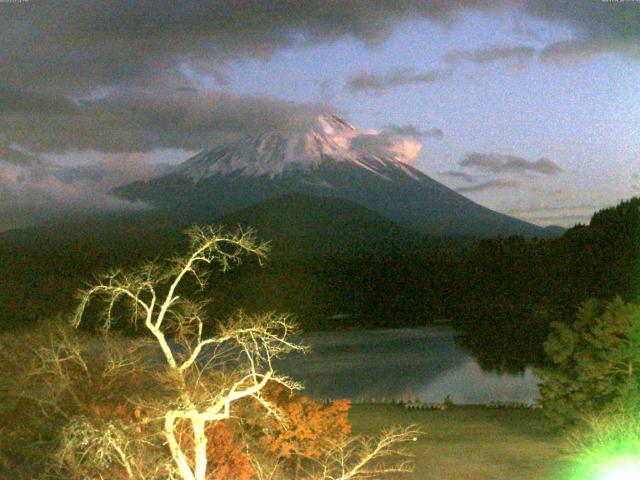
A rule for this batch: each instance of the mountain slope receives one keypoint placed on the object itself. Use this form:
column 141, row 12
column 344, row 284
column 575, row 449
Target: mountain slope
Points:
column 299, row 225
column 319, row 247
column 330, row 159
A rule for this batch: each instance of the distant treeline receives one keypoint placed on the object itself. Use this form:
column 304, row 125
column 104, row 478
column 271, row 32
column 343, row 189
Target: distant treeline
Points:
column 511, row 289
column 501, row 293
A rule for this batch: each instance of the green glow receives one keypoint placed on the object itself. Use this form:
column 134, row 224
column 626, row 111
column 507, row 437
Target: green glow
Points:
column 616, row 467
column 607, row 449
column 624, row 470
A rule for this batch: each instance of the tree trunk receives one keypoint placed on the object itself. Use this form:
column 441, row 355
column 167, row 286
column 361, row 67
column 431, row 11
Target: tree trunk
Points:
column 200, row 454
column 177, row 454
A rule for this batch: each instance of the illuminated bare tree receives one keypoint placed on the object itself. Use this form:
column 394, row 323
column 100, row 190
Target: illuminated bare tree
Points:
column 207, row 371
column 240, row 353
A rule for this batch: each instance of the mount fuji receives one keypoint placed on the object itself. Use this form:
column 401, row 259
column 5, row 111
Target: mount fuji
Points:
column 327, row 159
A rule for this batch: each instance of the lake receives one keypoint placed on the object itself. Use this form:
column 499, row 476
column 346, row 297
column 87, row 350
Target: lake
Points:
column 393, row 364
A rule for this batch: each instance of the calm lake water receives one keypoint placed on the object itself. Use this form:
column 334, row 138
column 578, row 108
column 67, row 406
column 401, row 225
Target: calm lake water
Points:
column 423, row 363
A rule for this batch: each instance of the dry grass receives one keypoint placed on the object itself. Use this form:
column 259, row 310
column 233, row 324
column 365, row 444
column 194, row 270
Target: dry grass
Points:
column 474, row 443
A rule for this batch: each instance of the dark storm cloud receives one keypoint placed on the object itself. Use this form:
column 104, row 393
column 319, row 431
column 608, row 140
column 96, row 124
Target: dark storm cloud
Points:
column 500, row 163
column 571, row 50
column 56, row 51
column 517, row 54
column 374, row 82
column 599, row 26
column 78, row 45
column 84, row 43
column 498, row 183
column 492, row 164
column 140, row 121
column 467, row 177
column 414, row 131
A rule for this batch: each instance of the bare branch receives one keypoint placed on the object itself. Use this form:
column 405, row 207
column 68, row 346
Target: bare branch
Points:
column 207, row 375
column 360, row 458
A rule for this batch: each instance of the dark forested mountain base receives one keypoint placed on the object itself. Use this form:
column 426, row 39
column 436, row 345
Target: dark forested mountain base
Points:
column 342, row 266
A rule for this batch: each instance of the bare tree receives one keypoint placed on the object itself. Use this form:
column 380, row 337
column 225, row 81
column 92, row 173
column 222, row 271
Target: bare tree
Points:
column 243, row 349
column 209, row 372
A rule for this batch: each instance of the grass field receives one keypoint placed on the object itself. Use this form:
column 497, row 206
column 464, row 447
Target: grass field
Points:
column 473, row 443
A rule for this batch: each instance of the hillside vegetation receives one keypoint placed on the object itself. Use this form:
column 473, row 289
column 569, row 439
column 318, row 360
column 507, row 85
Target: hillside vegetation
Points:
column 341, row 258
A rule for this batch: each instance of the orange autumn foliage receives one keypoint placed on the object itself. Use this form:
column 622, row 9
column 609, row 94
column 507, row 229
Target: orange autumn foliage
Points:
column 311, row 427
column 227, row 457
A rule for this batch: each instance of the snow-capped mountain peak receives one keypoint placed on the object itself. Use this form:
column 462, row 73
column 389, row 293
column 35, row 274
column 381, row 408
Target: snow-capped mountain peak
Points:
column 329, row 158
column 274, row 153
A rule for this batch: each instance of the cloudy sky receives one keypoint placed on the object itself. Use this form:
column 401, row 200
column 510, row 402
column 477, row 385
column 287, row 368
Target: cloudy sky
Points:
column 530, row 107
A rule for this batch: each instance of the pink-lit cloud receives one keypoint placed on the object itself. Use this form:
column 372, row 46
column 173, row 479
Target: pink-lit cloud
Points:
column 42, row 190
column 402, row 148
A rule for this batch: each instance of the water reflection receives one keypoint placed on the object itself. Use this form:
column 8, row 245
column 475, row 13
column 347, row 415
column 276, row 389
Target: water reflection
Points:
column 424, row 363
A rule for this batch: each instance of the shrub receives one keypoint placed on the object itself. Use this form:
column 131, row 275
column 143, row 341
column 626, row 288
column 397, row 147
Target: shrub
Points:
column 179, row 404
column 310, row 429
column 595, row 363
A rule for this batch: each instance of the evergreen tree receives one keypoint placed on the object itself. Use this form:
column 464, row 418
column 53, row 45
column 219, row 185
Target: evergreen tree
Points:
column 595, row 363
